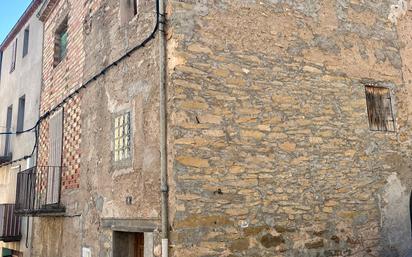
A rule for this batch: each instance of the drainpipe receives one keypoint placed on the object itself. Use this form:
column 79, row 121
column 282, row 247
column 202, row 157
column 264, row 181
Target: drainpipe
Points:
column 163, row 130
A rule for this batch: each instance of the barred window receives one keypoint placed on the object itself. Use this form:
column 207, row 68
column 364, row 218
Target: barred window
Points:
column 379, row 104
column 122, row 137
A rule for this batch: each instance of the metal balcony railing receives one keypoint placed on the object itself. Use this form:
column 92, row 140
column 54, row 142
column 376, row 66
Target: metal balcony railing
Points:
column 38, row 191
column 9, row 224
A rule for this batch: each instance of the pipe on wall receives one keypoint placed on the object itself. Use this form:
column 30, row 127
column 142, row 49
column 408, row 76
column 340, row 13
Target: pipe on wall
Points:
column 163, row 130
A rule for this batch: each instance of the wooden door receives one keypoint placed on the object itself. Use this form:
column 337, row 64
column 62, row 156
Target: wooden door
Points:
column 139, row 245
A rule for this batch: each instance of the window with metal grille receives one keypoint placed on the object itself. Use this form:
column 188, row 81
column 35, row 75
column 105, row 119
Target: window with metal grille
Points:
column 379, row 104
column 60, row 43
column 122, row 137
column 13, row 56
column 26, row 41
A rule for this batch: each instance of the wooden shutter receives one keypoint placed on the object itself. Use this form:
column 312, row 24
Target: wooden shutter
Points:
column 379, row 106
column 55, row 157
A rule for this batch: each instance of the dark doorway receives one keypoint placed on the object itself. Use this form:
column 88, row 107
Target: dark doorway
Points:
column 126, row 244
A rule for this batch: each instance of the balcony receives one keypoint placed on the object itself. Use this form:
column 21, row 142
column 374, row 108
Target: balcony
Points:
column 9, row 224
column 38, row 192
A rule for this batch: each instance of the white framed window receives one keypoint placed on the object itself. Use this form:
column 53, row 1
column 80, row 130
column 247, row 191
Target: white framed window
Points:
column 122, row 136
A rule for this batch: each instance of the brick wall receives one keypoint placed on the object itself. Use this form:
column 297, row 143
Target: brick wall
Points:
column 59, row 81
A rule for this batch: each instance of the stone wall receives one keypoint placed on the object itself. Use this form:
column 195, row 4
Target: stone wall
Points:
column 131, row 86
column 272, row 151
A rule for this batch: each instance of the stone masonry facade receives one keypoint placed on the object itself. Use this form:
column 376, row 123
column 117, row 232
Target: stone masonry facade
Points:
column 270, row 148
column 272, row 151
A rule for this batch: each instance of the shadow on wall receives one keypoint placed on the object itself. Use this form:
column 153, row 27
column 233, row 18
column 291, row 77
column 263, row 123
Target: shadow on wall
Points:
column 409, row 252
column 396, row 218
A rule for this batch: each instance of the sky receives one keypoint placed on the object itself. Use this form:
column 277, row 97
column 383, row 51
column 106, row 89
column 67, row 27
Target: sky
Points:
column 10, row 12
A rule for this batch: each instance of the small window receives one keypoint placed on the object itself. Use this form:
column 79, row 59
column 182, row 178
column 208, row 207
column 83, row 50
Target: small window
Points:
column 13, row 56
column 128, row 9
column 26, row 42
column 122, row 137
column 379, row 104
column 60, row 44
column 20, row 114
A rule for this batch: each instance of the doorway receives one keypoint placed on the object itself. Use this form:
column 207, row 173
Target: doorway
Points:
column 127, row 244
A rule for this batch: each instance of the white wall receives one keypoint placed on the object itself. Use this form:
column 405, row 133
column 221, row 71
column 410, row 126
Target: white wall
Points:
column 24, row 80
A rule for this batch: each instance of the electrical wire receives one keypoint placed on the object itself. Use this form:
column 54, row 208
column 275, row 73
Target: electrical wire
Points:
column 83, row 86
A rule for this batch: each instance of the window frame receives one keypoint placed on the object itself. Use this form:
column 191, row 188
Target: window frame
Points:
column 9, row 122
column 13, row 55
column 119, row 134
column 62, row 29
column 382, row 125
column 26, row 41
column 21, row 114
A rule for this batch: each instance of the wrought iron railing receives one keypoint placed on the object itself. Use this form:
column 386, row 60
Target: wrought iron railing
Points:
column 9, row 224
column 38, row 191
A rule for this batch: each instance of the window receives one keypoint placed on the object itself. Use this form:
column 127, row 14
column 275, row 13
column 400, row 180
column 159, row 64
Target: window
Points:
column 86, row 252
column 122, row 137
column 7, row 147
column 379, row 104
column 127, row 244
column 60, row 44
column 13, row 56
column 128, row 9
column 26, row 42
column 20, row 114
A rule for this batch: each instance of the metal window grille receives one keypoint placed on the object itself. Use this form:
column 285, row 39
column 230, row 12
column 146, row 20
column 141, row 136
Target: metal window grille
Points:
column 379, row 105
column 122, row 137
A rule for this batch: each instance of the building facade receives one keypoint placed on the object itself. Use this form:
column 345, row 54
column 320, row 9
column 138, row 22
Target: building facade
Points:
column 20, row 85
column 288, row 129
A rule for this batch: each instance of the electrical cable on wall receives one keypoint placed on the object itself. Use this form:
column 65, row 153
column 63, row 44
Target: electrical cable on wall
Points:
column 83, row 86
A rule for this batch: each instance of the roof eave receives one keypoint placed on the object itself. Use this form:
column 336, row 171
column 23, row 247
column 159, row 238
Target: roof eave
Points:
column 20, row 23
